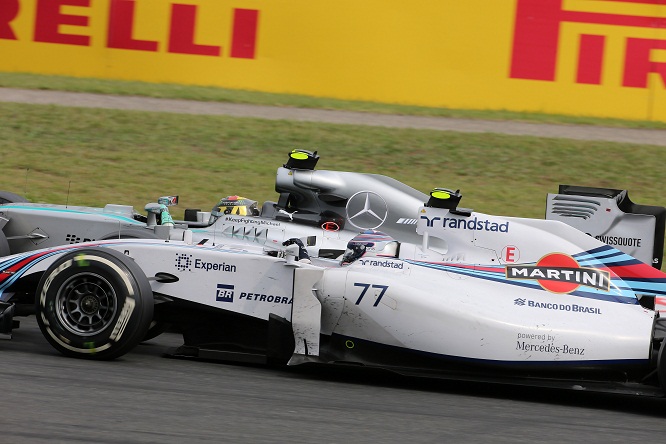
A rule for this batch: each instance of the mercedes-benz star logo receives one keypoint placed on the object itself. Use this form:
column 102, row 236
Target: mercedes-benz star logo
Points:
column 366, row 210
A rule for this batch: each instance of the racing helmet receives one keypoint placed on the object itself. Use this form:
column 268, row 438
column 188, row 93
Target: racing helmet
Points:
column 370, row 243
column 235, row 205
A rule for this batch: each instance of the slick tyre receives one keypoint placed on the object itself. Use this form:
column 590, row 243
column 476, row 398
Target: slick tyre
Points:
column 94, row 303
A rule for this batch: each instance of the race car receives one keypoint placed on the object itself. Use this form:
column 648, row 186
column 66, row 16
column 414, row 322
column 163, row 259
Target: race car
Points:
column 511, row 300
column 323, row 208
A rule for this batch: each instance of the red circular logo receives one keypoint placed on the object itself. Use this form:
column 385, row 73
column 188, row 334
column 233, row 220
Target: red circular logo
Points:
column 554, row 262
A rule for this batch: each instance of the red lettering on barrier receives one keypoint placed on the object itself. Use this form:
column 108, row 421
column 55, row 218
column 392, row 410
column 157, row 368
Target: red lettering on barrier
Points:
column 181, row 36
column 9, row 9
column 535, row 38
column 637, row 64
column 537, row 34
column 590, row 59
column 121, row 25
column 48, row 19
column 244, row 34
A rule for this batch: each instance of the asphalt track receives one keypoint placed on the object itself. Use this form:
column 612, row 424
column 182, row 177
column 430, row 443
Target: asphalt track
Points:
column 147, row 398
column 578, row 132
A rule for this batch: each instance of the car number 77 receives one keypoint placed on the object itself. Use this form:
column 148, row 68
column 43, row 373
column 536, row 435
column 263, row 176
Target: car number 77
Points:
column 365, row 289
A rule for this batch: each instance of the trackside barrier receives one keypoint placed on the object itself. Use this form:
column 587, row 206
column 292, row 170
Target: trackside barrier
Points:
column 580, row 57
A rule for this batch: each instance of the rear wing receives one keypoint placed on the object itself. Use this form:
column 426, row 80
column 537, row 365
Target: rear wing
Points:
column 611, row 217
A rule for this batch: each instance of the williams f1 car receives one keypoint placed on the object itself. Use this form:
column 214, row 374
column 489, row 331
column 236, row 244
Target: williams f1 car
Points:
column 519, row 301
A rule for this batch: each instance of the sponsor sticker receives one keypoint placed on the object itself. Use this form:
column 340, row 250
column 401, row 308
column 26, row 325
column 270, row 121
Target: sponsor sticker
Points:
column 619, row 241
column 251, row 221
column 261, row 297
column 545, row 343
column 382, row 263
column 225, row 293
column 560, row 273
column 185, row 262
column 474, row 224
column 574, row 308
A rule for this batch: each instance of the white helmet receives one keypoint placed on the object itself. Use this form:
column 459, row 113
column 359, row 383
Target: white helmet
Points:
column 370, row 243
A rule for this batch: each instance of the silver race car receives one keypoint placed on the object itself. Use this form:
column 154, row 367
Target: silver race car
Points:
column 323, row 208
column 512, row 300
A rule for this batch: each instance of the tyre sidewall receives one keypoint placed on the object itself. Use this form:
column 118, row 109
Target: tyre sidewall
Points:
column 128, row 323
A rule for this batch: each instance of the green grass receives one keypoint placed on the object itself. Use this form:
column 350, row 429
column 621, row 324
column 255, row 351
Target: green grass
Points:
column 214, row 94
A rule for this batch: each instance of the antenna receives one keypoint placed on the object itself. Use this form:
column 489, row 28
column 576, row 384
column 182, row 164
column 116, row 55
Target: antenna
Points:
column 215, row 230
column 25, row 186
column 68, row 187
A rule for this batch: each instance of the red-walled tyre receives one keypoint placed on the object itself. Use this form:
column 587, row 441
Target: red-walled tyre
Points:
column 94, row 303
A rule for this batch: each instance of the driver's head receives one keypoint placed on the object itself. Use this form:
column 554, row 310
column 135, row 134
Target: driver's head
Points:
column 235, row 205
column 370, row 243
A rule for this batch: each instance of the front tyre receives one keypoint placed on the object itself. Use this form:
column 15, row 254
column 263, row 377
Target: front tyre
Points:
column 94, row 303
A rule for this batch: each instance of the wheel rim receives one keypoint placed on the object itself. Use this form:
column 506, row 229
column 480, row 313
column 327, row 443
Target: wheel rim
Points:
column 86, row 304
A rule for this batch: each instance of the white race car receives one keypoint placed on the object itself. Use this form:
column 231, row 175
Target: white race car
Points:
column 502, row 299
